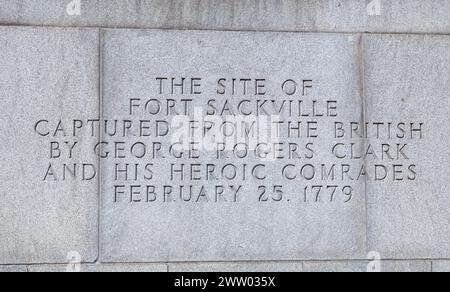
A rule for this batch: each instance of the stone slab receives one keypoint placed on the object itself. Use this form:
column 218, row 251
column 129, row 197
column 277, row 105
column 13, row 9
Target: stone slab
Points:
column 407, row 80
column 363, row 266
column 13, row 269
column 47, row 75
column 100, row 268
column 406, row 16
column 254, row 225
column 249, row 267
column 441, row 266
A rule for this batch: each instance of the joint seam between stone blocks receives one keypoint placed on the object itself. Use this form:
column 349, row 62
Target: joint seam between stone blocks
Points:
column 106, row 27
column 362, row 78
column 100, row 102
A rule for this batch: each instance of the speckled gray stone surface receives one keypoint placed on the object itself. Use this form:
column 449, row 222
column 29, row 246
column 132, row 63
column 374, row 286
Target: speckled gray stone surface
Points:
column 102, row 268
column 397, row 82
column 365, row 266
column 52, row 75
column 255, row 267
column 404, row 16
column 407, row 80
column 325, row 226
column 13, row 269
column 441, row 266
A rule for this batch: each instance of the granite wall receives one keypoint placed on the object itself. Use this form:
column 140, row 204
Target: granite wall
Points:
column 337, row 159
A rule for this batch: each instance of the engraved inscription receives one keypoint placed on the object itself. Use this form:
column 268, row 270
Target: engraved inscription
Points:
column 206, row 140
